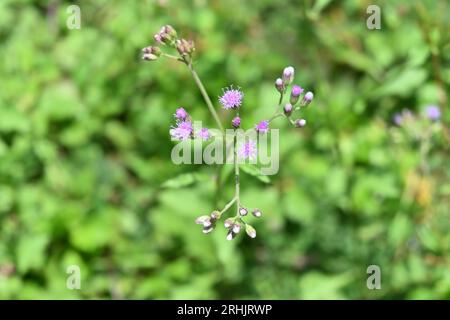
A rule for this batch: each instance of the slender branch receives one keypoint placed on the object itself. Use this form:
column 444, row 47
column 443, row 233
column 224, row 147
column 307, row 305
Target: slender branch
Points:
column 205, row 95
column 229, row 204
column 236, row 174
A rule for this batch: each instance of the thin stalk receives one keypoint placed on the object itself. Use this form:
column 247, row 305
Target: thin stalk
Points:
column 236, row 175
column 205, row 95
column 229, row 204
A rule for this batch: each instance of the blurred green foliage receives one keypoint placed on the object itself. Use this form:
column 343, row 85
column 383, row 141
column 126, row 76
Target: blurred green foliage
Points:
column 85, row 151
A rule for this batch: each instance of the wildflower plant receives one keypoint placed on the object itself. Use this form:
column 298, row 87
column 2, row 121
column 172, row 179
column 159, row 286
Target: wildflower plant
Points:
column 231, row 99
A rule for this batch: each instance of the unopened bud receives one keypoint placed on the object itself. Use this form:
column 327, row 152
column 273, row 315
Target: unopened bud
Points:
column 287, row 109
column 236, row 228
column 169, row 30
column 308, row 98
column 149, row 57
column 257, row 213
column 236, row 122
column 230, row 235
column 288, row 75
column 250, row 231
column 279, row 85
column 228, row 223
column 300, row 123
column 185, row 47
column 243, row 211
column 215, row 215
column 208, row 229
column 202, row 219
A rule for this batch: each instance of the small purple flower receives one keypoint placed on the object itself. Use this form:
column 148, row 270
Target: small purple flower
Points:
column 182, row 131
column 181, row 114
column 236, row 122
column 247, row 150
column 263, row 126
column 231, row 98
column 157, row 38
column 203, row 134
column 433, row 112
column 295, row 94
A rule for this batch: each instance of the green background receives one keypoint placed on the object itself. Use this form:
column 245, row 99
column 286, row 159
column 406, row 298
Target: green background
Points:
column 85, row 151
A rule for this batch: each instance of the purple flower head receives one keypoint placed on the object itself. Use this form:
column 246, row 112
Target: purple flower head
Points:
column 231, row 98
column 203, row 134
column 308, row 97
column 182, row 131
column 295, row 94
column 247, row 150
column 263, row 126
column 181, row 114
column 236, row 122
column 288, row 75
column 433, row 112
column 296, row 90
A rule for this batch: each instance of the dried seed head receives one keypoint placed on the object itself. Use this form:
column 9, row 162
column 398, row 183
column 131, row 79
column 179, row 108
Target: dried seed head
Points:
column 251, row 232
column 243, row 211
column 257, row 213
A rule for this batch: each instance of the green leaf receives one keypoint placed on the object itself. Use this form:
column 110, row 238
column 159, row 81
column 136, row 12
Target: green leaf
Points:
column 184, row 180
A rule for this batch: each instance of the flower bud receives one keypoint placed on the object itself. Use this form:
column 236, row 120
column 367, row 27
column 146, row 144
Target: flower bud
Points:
column 295, row 94
column 228, row 223
column 185, row 47
column 257, row 213
column 207, row 229
column 158, row 38
column 236, row 122
column 215, row 215
column 236, row 228
column 169, row 30
column 250, row 231
column 149, row 57
column 279, row 85
column 300, row 123
column 288, row 75
column 243, row 211
column 153, row 50
column 287, row 109
column 230, row 235
column 308, row 98
column 202, row 219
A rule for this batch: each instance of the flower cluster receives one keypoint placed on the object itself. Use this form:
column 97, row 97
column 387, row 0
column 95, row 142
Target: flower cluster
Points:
column 184, row 129
column 231, row 100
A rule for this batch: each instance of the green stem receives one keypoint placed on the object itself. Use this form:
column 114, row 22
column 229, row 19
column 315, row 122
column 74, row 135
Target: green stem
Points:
column 236, row 175
column 229, row 204
column 205, row 95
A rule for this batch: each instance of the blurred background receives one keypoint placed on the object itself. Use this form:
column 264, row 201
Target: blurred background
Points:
column 85, row 151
